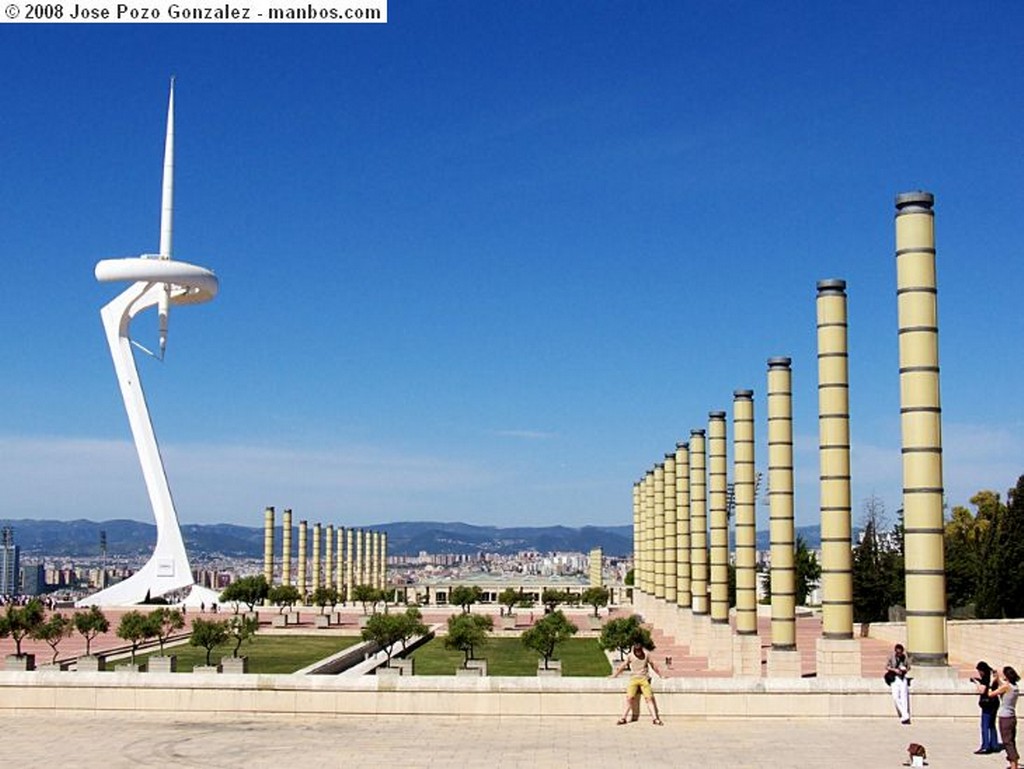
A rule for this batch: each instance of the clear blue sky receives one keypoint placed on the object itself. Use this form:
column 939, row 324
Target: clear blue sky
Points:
column 488, row 262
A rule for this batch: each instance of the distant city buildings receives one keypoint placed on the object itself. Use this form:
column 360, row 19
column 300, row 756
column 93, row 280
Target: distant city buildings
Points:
column 9, row 567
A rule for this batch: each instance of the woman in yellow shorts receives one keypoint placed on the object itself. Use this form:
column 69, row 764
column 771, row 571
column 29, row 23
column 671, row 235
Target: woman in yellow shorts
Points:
column 640, row 665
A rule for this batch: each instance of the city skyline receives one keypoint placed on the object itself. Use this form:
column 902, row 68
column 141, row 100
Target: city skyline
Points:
column 490, row 267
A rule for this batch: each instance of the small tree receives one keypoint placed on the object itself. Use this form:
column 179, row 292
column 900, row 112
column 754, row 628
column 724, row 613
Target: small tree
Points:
column 622, row 633
column 509, row 598
column 166, row 622
column 325, row 596
column 384, row 629
column 21, row 621
column 412, row 625
column 366, row 594
column 547, row 633
column 596, row 597
column 90, row 624
column 551, row 597
column 808, row 571
column 466, row 632
column 241, row 629
column 465, row 596
column 135, row 627
column 208, row 633
column 249, row 590
column 284, row 596
column 53, row 631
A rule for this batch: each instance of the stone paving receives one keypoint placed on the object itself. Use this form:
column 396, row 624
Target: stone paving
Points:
column 123, row 741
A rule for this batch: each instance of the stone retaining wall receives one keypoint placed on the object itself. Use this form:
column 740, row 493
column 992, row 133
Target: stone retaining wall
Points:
column 997, row 641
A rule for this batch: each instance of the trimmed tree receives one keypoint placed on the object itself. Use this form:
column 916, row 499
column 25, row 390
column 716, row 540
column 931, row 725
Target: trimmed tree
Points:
column 596, row 597
column 622, row 633
column 385, row 630
column 53, row 631
column 366, row 595
column 18, row 622
column 412, row 625
column 510, row 598
column 465, row 596
column 249, row 590
column 135, row 627
column 551, row 597
column 239, row 630
column 325, row 596
column 284, row 596
column 466, row 632
column 90, row 624
column 166, row 622
column 208, row 633
column 547, row 633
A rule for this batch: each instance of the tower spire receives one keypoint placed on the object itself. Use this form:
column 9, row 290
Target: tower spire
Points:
column 167, row 198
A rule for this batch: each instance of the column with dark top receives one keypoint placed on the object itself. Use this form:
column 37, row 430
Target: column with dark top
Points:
column 921, row 427
column 720, row 642
column 746, row 644
column 268, row 545
column 286, row 547
column 699, row 543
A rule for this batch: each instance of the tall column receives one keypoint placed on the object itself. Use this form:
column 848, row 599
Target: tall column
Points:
column 683, row 597
column 746, row 655
column 783, row 659
column 648, row 524
column 659, row 532
column 698, row 523
column 339, row 571
column 371, row 560
column 349, row 563
column 838, row 654
column 382, row 570
column 268, row 545
column 286, row 548
column 671, row 552
column 303, row 583
column 317, row 580
column 921, row 427
column 359, row 576
column 637, row 548
column 718, row 510
column 329, row 556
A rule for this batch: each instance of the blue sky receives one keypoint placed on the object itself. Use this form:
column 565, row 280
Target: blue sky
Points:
column 488, row 262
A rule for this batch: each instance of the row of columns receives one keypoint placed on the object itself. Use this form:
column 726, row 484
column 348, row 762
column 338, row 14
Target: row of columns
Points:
column 681, row 506
column 341, row 558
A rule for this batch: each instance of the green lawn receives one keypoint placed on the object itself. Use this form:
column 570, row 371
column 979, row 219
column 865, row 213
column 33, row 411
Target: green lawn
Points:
column 508, row 657
column 267, row 654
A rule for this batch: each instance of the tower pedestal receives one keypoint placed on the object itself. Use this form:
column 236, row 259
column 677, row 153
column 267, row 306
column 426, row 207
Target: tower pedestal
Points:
column 838, row 658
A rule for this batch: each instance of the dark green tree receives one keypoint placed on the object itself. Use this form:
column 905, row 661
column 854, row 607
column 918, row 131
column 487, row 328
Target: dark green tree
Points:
column 596, row 597
column 510, row 598
column 249, row 590
column 166, row 622
column 877, row 567
column 19, row 622
column 241, row 629
column 284, row 596
column 136, row 627
column 551, row 597
column 325, row 596
column 208, row 633
column 90, row 624
column 467, row 632
column 465, row 596
column 53, row 631
column 545, row 635
column 412, row 625
column 385, row 630
column 1002, row 570
column 620, row 634
column 808, row 571
column 366, row 595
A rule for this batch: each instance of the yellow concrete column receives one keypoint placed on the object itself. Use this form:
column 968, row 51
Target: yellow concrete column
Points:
column 360, row 577
column 374, row 549
column 921, row 427
column 382, row 570
column 339, row 570
column 268, row 545
column 698, row 524
column 329, row 556
column 744, row 482
column 303, row 583
column 349, row 563
column 683, row 597
column 286, row 548
column 637, row 534
column 671, row 555
column 718, row 509
column 834, row 457
column 649, row 534
column 317, row 566
column 780, row 490
column 659, row 532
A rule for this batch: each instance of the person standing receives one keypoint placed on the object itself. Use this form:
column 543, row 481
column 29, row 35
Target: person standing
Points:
column 639, row 663
column 896, row 669
column 1007, row 691
column 989, row 704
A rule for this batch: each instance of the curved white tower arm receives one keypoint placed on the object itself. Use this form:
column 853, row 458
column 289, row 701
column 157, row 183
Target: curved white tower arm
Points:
column 160, row 282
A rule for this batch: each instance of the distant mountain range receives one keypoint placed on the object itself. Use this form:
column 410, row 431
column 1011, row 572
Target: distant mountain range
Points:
column 81, row 538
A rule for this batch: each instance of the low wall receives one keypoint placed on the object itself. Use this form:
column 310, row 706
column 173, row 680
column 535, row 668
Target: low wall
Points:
column 250, row 695
column 997, row 641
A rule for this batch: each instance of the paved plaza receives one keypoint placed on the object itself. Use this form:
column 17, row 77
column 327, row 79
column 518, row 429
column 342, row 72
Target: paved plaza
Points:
column 116, row 741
